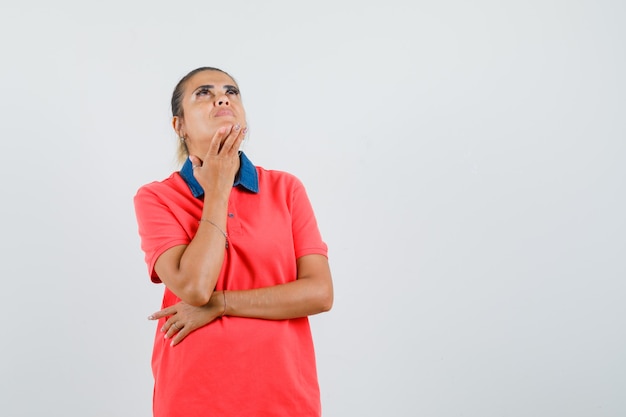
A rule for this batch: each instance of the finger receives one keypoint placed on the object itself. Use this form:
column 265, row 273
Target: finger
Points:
column 233, row 141
column 217, row 140
column 234, row 150
column 168, row 324
column 174, row 328
column 178, row 337
column 162, row 313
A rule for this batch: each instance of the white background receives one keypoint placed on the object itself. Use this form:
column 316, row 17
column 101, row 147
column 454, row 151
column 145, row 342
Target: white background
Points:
column 466, row 161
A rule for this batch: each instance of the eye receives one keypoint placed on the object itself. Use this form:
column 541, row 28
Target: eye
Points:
column 232, row 91
column 203, row 92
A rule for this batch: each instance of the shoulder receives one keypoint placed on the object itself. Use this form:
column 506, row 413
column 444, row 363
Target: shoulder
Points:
column 171, row 191
column 275, row 178
column 168, row 184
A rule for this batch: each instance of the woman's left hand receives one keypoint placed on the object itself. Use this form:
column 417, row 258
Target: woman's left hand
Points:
column 182, row 318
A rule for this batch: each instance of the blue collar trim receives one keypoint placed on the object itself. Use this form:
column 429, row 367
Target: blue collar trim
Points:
column 247, row 176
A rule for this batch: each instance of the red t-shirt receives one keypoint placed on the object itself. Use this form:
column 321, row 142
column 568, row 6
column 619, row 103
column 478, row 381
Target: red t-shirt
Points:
column 236, row 366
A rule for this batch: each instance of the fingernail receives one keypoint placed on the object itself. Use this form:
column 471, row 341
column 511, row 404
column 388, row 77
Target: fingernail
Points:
column 245, row 130
column 237, row 127
column 150, row 317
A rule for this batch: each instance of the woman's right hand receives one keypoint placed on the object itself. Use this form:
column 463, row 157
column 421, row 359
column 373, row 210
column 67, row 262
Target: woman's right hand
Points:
column 221, row 162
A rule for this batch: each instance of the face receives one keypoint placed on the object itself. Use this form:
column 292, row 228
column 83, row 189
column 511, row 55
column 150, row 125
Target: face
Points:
column 211, row 100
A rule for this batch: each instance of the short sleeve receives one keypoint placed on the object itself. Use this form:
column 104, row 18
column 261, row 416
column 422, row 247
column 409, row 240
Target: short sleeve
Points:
column 159, row 227
column 306, row 234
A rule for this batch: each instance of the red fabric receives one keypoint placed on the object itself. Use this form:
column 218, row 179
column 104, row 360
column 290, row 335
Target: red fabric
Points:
column 236, row 366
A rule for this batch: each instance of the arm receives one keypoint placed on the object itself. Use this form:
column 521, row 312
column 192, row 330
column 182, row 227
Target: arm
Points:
column 311, row 293
column 191, row 271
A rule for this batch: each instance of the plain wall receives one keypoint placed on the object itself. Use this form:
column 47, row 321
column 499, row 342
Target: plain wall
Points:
column 466, row 162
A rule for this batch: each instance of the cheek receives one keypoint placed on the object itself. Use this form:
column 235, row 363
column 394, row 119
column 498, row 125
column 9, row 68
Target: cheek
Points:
column 242, row 116
column 197, row 122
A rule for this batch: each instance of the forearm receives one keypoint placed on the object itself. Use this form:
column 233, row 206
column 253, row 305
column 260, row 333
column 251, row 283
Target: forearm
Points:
column 300, row 298
column 202, row 260
column 192, row 278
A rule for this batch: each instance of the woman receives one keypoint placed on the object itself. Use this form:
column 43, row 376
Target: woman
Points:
column 243, row 263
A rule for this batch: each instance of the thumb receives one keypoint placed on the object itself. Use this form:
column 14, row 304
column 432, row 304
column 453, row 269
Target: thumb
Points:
column 195, row 161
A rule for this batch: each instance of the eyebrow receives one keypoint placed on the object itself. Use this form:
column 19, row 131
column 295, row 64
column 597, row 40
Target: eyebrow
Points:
column 210, row 87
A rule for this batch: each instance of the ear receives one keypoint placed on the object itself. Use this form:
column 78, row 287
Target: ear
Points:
column 177, row 124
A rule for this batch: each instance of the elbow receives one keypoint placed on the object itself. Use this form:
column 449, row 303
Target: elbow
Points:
column 326, row 305
column 326, row 299
column 196, row 296
column 196, row 301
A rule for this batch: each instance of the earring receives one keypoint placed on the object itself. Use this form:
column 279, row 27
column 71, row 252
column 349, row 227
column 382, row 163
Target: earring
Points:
column 182, row 139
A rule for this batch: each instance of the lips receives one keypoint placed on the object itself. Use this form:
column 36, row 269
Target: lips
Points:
column 224, row 112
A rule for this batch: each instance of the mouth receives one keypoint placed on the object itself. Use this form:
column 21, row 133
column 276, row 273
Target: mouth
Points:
column 224, row 112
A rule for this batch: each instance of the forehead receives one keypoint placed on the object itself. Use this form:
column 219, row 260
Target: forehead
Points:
column 216, row 78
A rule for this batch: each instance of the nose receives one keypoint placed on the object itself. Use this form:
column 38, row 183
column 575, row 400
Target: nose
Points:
column 222, row 100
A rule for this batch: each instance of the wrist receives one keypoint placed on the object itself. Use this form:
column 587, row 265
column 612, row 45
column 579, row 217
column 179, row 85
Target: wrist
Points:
column 224, row 304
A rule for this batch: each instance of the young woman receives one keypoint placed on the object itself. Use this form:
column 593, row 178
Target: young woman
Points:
column 243, row 263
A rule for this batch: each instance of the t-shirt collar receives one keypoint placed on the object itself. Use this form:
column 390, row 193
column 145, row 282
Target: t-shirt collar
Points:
column 246, row 176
